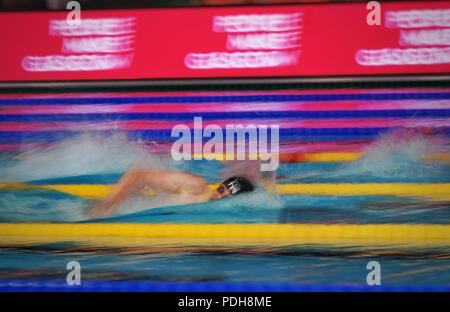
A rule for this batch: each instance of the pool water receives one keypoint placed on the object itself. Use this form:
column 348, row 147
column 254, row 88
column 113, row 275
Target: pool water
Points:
column 87, row 158
column 315, row 264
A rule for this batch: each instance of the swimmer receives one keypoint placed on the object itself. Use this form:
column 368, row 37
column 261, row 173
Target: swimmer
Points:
column 188, row 187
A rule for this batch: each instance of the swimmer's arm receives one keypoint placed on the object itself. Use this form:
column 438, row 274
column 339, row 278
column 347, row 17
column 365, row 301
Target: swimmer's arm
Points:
column 157, row 180
column 172, row 182
column 186, row 183
column 131, row 182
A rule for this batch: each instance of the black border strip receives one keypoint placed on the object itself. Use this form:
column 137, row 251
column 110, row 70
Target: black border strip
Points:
column 229, row 84
column 147, row 5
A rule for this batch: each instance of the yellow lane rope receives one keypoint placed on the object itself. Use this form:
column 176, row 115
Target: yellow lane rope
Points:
column 292, row 232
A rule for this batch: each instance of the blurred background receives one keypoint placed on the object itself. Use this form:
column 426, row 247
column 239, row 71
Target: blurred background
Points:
column 364, row 169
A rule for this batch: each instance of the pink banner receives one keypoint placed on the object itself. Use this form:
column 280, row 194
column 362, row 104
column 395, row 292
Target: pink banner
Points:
column 267, row 41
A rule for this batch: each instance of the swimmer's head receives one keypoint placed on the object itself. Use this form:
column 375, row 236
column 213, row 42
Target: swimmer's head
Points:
column 232, row 186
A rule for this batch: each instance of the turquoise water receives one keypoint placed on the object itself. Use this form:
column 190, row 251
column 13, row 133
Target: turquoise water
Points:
column 93, row 160
column 305, row 266
column 84, row 160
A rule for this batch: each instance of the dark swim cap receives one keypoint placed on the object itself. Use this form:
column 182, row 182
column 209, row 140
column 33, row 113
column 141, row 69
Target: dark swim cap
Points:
column 238, row 185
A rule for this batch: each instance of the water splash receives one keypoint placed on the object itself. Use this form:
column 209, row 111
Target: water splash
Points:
column 395, row 156
column 400, row 154
column 260, row 199
column 258, row 206
column 87, row 154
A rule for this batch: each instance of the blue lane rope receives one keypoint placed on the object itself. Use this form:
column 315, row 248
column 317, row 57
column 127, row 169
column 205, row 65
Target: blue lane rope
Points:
column 142, row 286
column 232, row 98
column 289, row 134
column 395, row 113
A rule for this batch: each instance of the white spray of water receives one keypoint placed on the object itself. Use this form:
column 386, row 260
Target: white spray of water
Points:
column 399, row 154
column 90, row 154
column 256, row 201
column 86, row 154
